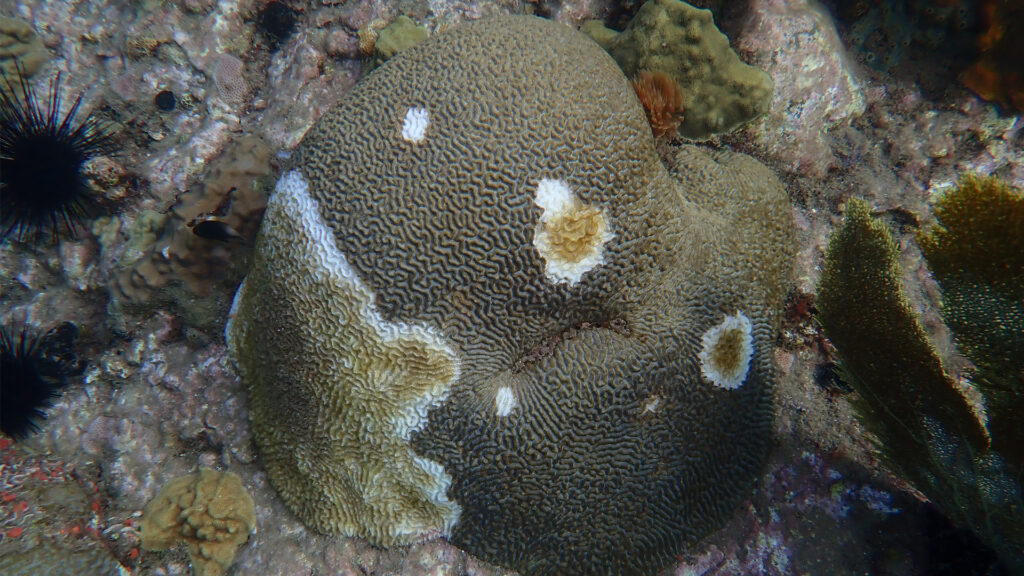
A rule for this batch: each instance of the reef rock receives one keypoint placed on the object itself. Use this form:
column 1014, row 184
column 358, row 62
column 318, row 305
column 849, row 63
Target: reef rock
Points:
column 479, row 306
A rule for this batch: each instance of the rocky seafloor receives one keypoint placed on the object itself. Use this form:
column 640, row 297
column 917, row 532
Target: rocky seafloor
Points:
column 158, row 397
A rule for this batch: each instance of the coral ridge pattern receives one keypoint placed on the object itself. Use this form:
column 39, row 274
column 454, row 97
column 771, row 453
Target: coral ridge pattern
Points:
column 374, row 395
column 414, row 367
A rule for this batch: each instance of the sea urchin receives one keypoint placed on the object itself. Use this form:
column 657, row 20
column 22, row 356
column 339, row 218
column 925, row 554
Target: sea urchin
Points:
column 42, row 153
column 33, row 371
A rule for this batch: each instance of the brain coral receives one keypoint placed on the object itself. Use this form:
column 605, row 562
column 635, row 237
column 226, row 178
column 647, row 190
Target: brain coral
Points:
column 479, row 306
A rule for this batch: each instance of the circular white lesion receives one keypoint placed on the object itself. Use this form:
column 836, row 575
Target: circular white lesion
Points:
column 505, row 401
column 726, row 349
column 414, row 126
column 570, row 235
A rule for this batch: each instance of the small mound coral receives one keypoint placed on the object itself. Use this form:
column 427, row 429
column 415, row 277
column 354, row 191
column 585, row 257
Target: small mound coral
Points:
column 927, row 431
column 662, row 101
column 209, row 511
column 22, row 51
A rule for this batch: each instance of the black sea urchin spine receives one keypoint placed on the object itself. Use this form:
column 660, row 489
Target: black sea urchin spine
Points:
column 33, row 371
column 42, row 153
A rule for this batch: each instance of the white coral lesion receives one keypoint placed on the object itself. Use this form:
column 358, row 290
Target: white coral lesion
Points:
column 570, row 235
column 505, row 401
column 726, row 349
column 414, row 126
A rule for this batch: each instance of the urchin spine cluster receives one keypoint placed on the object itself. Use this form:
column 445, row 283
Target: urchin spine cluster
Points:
column 42, row 155
column 26, row 389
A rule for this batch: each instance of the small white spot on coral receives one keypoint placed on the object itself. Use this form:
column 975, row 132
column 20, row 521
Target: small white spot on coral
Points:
column 570, row 235
column 725, row 353
column 414, row 127
column 505, row 401
column 651, row 404
column 553, row 196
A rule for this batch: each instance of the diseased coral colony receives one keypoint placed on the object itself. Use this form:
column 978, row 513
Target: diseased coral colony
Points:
column 927, row 431
column 512, row 326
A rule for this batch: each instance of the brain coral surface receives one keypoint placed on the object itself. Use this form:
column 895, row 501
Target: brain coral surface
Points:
column 481, row 307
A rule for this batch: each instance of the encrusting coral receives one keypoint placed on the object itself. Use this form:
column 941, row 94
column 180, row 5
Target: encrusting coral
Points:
column 169, row 261
column 209, row 511
column 477, row 307
column 22, row 52
column 718, row 91
column 397, row 36
column 926, row 430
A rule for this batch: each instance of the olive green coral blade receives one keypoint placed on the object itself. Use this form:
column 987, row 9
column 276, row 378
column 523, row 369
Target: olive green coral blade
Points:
column 980, row 235
column 977, row 255
column 883, row 348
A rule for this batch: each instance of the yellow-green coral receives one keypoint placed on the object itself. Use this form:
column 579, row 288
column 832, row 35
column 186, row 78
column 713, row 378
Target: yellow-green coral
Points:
column 926, row 431
column 209, row 511
column 719, row 92
column 977, row 254
column 860, row 280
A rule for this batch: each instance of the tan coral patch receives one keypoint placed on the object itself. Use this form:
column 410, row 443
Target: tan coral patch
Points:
column 576, row 234
column 210, row 512
column 570, row 235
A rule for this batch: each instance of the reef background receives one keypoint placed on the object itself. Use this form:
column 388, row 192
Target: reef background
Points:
column 159, row 397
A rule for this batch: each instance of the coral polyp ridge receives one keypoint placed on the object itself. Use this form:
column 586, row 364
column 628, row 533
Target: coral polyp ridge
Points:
column 43, row 150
